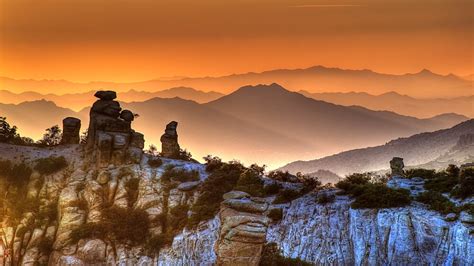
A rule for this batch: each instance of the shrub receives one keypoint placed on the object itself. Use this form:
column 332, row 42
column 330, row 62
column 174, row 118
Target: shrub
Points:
column 180, row 175
column 380, row 196
column 465, row 188
column 282, row 176
column 212, row 163
column 126, row 225
column 437, row 202
column 469, row 208
column 178, row 218
column 155, row 162
column 50, row 165
column 325, row 198
column 220, row 181
column 15, row 174
column 250, row 182
column 287, row 195
column 352, row 181
column 442, row 183
column 271, row 256
column 88, row 230
column 52, row 136
column 271, row 189
column 275, row 214
column 420, row 172
column 131, row 186
column 154, row 244
column 81, row 204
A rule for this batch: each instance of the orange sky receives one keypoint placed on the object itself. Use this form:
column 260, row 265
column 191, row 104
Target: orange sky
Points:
column 125, row 40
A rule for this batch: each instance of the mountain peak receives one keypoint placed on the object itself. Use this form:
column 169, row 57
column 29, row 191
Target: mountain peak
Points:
column 269, row 88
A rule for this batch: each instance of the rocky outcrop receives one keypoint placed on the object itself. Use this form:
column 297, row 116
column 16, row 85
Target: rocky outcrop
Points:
column 71, row 129
column 111, row 139
column 169, row 141
column 397, row 165
column 243, row 229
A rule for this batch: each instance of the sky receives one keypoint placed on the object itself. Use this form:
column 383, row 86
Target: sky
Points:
column 134, row 40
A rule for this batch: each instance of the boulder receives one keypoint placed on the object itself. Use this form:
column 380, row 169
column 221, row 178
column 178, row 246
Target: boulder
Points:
column 236, row 195
column 451, row 217
column 188, row 186
column 106, row 95
column 127, row 115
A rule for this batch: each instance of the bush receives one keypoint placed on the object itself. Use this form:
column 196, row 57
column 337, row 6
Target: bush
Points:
column 154, row 244
column 180, row 175
column 15, row 174
column 212, row 163
column 131, row 186
column 155, row 162
column 220, row 181
column 287, row 195
column 275, row 214
column 178, row 218
column 50, row 165
column 282, row 176
column 420, row 172
column 380, row 196
column 52, row 137
column 271, row 256
column 271, row 189
column 126, row 225
column 437, row 202
column 465, row 188
column 352, row 181
column 88, row 230
column 325, row 198
column 250, row 182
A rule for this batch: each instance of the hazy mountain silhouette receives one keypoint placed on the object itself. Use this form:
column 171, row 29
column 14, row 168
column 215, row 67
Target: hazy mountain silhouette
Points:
column 434, row 149
column 77, row 101
column 328, row 127
column 401, row 104
column 265, row 124
column 423, row 84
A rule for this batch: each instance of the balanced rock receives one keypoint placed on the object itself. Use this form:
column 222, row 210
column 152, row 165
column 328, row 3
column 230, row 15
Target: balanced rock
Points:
column 71, row 128
column 110, row 138
column 397, row 165
column 169, row 141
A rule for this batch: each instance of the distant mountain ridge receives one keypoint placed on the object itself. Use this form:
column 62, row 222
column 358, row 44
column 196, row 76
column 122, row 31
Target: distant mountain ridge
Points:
column 79, row 101
column 401, row 104
column 430, row 149
column 265, row 124
column 424, row 84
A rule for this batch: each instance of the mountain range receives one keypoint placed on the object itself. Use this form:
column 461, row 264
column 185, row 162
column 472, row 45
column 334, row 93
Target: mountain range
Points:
column 431, row 150
column 265, row 124
column 78, row 101
column 423, row 84
column 401, row 104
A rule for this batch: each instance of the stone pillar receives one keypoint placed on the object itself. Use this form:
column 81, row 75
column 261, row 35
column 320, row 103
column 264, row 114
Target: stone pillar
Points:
column 396, row 165
column 169, row 141
column 243, row 230
column 71, row 129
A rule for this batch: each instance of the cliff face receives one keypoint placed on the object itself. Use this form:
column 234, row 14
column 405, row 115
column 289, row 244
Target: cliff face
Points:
column 331, row 233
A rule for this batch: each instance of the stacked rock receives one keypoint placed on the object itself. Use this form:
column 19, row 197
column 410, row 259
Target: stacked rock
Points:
column 397, row 165
column 169, row 141
column 71, row 129
column 110, row 138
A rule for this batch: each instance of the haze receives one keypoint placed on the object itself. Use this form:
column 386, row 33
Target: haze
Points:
column 124, row 41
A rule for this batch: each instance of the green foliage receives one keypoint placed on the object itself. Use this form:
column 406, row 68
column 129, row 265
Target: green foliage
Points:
column 381, row 196
column 420, row 172
column 372, row 195
column 131, row 186
column 466, row 184
column 222, row 179
column 437, row 202
column 250, row 182
column 325, row 198
column 178, row 218
column 281, row 176
column 50, row 165
column 52, row 137
column 287, row 195
column 179, row 175
column 271, row 256
column 45, row 246
column 123, row 225
column 212, row 163
column 15, row 174
column 271, row 189
column 275, row 214
column 155, row 162
column 441, row 183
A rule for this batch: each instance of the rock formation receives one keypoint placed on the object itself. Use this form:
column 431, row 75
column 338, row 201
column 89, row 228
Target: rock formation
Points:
column 396, row 165
column 243, row 229
column 110, row 138
column 71, row 129
column 169, row 141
